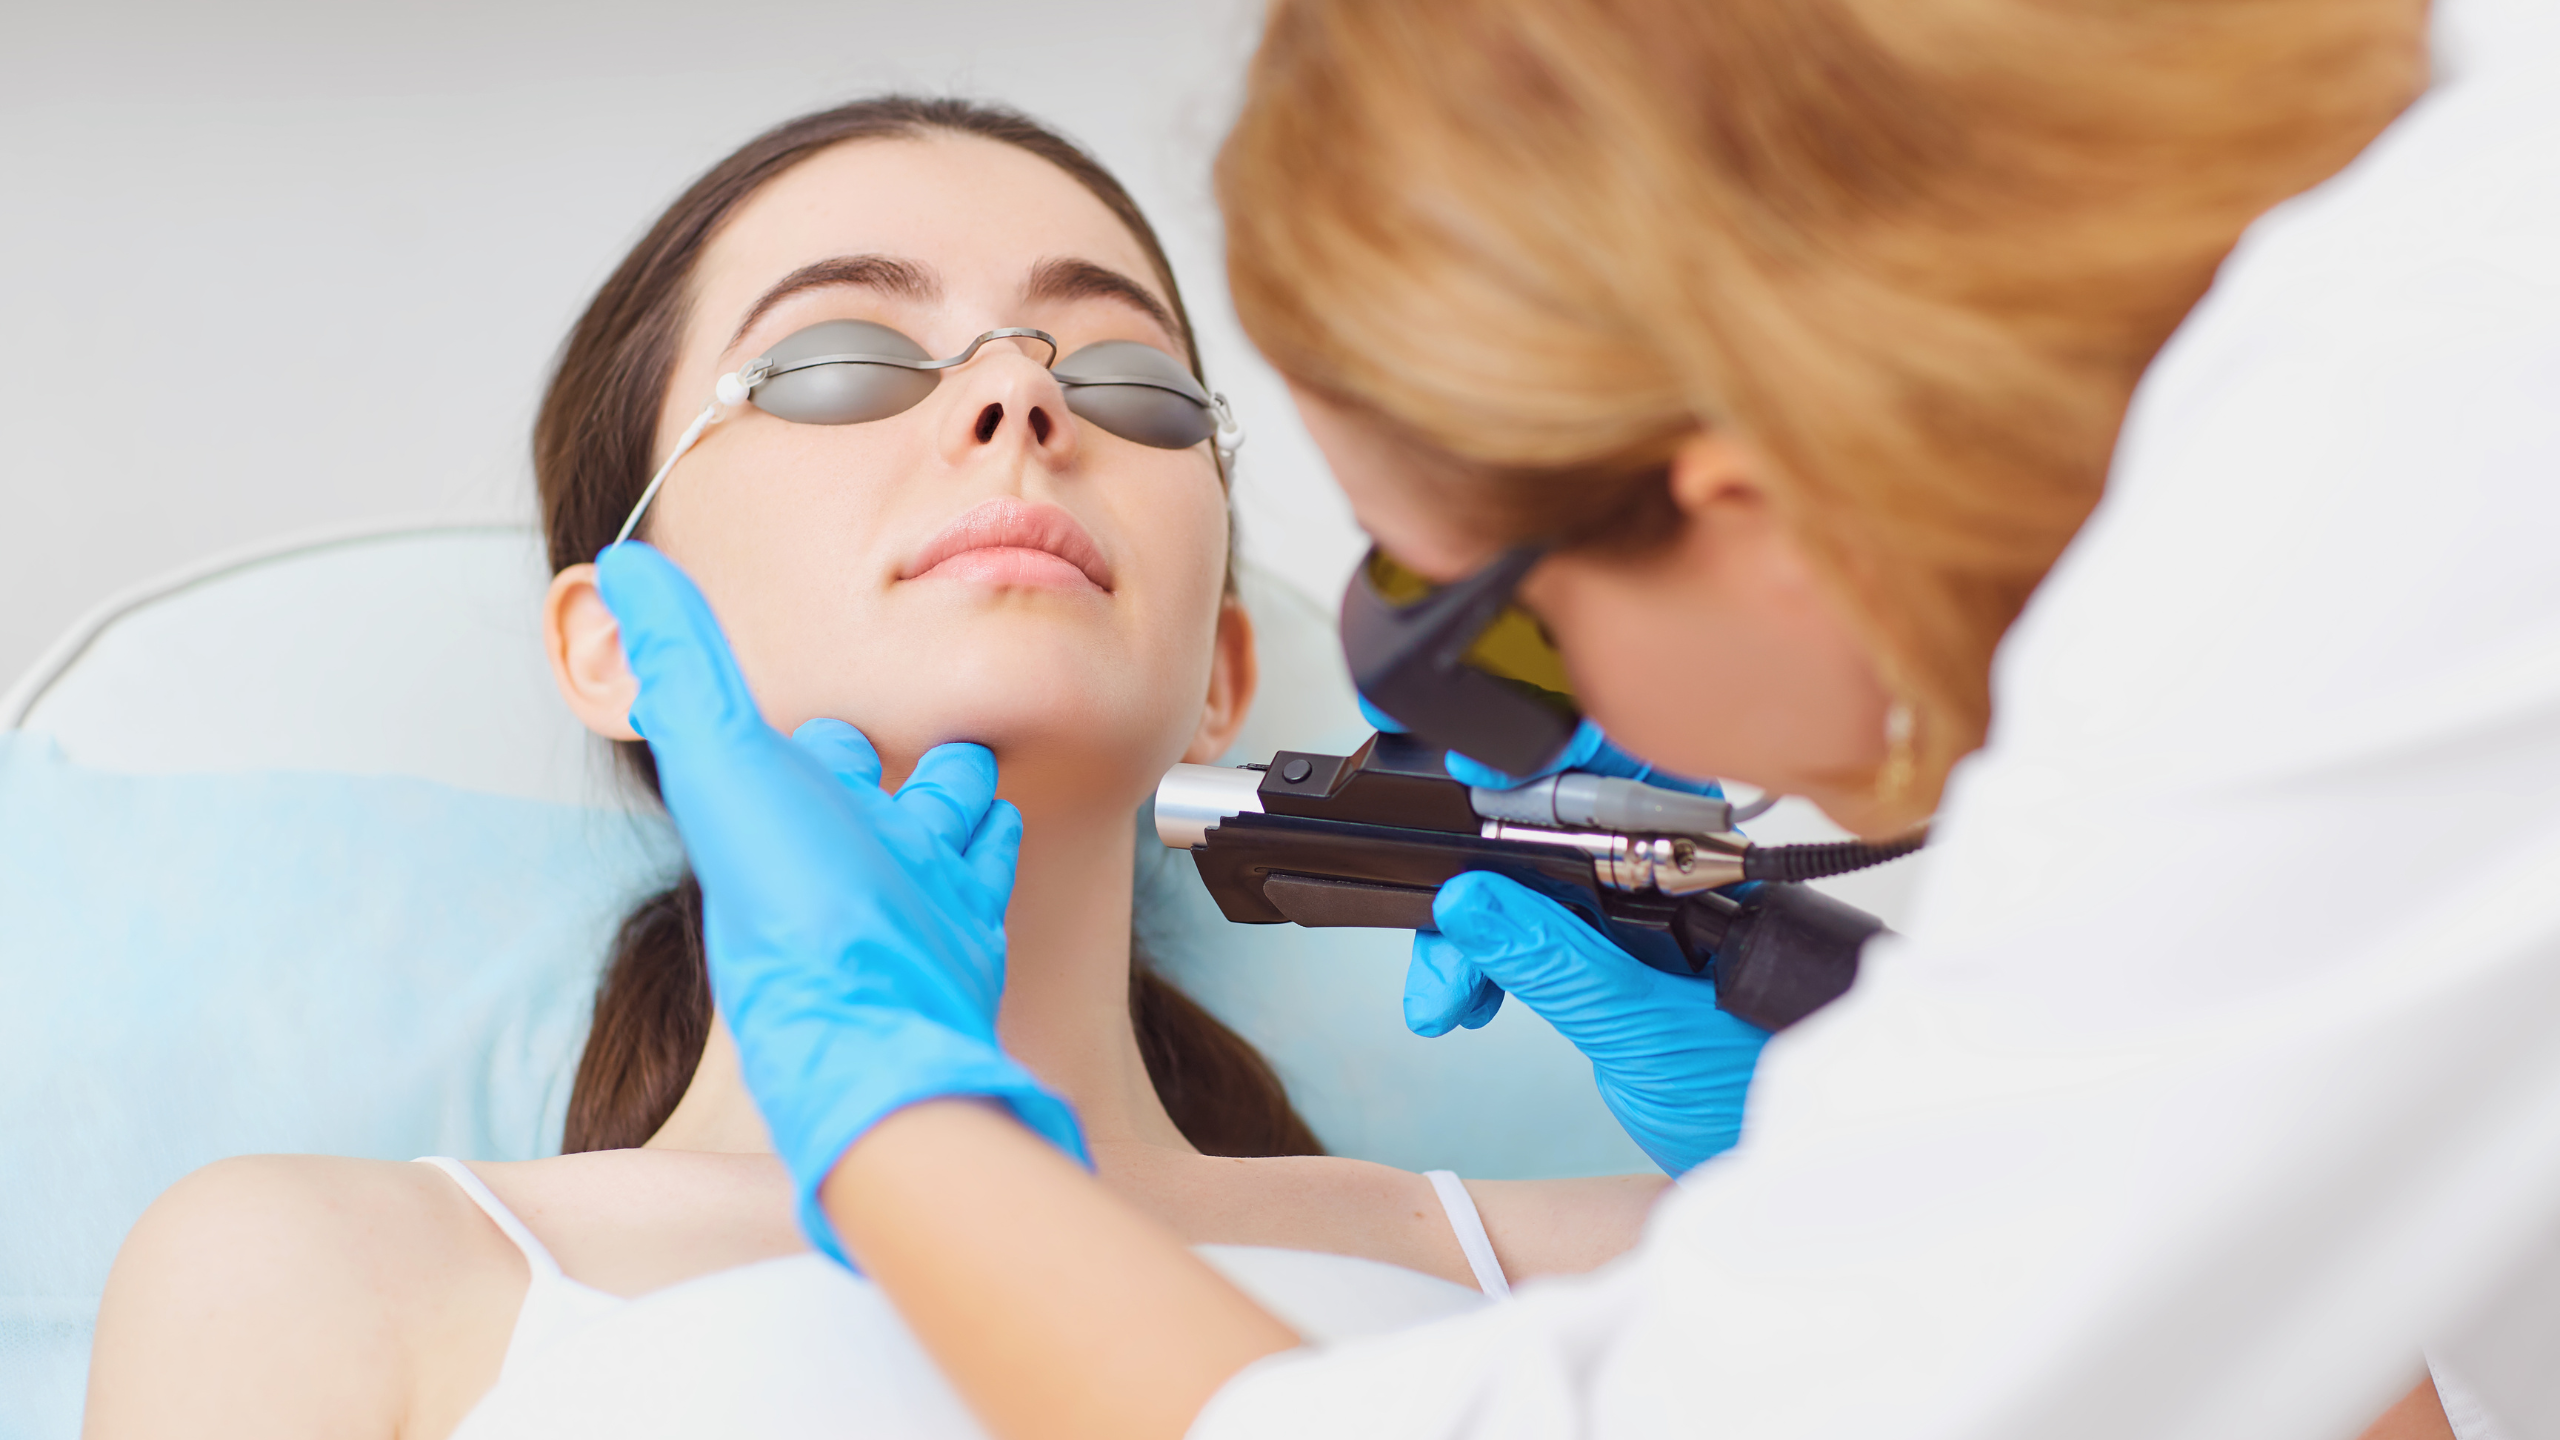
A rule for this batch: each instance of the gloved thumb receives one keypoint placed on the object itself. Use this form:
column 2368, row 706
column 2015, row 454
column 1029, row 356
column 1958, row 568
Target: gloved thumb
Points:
column 846, row 752
column 949, row 791
column 1535, row 948
column 1443, row 991
column 690, row 688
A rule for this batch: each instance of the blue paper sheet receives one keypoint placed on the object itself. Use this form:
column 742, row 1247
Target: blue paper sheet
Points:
column 200, row 966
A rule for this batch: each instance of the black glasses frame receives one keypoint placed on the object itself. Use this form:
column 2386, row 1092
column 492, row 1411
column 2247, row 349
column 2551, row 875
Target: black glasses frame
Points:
column 1410, row 661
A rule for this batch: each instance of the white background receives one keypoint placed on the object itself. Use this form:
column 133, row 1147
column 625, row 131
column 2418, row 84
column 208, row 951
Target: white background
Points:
column 274, row 265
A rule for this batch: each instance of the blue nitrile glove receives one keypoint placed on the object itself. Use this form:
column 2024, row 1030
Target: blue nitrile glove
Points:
column 856, row 938
column 1671, row 1066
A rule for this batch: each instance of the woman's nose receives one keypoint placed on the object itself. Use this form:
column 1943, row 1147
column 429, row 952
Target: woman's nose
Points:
column 1007, row 397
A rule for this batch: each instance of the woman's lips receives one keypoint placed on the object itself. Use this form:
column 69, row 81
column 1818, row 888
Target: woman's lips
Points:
column 1015, row 543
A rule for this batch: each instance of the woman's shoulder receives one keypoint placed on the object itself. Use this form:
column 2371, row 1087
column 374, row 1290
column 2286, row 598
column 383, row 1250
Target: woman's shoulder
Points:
column 348, row 1295
column 313, row 1223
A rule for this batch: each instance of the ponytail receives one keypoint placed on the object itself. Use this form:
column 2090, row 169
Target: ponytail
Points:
column 653, row 1016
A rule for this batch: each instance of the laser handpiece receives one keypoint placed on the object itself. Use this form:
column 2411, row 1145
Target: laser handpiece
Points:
column 1367, row 839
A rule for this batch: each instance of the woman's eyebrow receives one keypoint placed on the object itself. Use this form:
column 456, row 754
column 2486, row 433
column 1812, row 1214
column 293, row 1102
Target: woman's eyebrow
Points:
column 903, row 278
column 1072, row 279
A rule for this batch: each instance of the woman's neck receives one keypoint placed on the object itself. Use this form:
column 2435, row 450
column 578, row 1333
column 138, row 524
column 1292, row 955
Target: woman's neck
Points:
column 1065, row 1013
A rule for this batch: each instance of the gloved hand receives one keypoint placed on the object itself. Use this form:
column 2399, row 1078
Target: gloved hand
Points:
column 856, row 938
column 1671, row 1066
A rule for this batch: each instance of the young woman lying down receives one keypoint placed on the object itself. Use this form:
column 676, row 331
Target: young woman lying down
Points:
column 988, row 561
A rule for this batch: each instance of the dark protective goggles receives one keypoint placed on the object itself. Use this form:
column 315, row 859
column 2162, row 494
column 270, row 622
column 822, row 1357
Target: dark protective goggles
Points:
column 847, row 372
column 1462, row 665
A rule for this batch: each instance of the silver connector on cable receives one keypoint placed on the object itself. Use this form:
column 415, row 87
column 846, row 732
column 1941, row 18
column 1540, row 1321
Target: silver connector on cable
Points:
column 1638, row 837
column 1669, row 864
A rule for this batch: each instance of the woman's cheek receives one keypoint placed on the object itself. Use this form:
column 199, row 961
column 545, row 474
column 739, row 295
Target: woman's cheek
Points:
column 1188, row 542
column 1652, row 676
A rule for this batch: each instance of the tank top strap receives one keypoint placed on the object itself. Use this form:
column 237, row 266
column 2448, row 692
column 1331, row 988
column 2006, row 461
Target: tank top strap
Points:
column 536, row 1254
column 554, row 1305
column 1469, row 1228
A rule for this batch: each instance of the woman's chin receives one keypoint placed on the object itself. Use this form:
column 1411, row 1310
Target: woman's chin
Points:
column 1065, row 702
column 1046, row 730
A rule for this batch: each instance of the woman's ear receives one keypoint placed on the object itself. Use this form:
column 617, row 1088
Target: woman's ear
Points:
column 1233, row 677
column 1710, row 469
column 585, row 647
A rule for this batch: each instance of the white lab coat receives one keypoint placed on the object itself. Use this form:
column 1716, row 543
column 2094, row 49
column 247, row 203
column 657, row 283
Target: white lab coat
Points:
column 2220, row 1070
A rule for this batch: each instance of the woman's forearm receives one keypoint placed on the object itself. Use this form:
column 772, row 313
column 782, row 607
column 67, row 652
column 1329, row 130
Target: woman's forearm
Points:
column 1056, row 1310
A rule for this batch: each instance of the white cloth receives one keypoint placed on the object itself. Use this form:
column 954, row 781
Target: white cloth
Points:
column 799, row 1345
column 2219, row 1072
column 2464, row 1411
column 2495, row 1373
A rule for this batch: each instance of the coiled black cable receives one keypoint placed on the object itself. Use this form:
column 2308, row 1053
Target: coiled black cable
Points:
column 1816, row 862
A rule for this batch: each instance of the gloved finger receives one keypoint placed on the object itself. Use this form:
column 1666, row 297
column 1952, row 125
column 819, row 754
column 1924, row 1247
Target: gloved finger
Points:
column 1533, row 947
column 1610, row 760
column 1589, row 752
column 690, row 687
column 950, row 790
column 1379, row 720
column 846, row 752
column 994, row 851
column 1443, row 990
column 1577, row 754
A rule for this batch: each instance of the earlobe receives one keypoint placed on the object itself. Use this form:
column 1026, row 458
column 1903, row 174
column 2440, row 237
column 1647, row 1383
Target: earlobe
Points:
column 584, row 646
column 1233, row 677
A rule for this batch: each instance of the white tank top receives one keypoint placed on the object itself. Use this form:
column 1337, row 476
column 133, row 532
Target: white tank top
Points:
column 798, row 1345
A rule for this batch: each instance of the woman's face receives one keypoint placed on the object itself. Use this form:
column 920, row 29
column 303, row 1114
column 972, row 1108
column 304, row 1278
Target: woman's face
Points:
column 1720, row 654
column 983, row 566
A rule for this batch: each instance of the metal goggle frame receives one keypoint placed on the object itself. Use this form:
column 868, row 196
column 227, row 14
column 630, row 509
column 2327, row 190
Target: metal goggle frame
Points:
column 846, row 372
column 1461, row 665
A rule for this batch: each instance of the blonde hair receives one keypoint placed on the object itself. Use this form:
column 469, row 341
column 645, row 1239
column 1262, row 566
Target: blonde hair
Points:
column 1915, row 252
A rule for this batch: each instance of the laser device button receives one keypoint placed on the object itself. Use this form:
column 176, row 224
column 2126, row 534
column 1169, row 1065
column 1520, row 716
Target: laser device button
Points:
column 1296, row 771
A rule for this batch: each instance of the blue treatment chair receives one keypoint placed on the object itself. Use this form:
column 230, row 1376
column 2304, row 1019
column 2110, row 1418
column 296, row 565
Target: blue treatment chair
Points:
column 300, row 851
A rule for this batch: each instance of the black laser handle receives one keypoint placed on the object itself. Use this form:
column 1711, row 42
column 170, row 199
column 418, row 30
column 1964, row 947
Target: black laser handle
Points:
column 1775, row 957
column 1779, row 954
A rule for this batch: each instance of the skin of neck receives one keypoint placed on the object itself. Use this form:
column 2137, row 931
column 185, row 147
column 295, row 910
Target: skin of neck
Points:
column 1065, row 1012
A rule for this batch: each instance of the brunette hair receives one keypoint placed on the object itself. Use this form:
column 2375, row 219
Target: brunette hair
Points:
column 593, row 450
column 1916, row 254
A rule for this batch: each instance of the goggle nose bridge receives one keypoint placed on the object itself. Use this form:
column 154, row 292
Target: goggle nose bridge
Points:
column 764, row 369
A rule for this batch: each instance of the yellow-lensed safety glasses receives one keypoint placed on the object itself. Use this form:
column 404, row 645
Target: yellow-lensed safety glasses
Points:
column 1462, row 665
